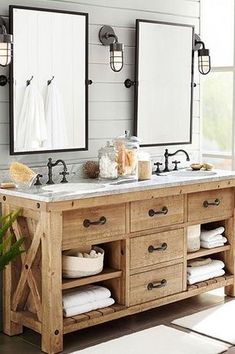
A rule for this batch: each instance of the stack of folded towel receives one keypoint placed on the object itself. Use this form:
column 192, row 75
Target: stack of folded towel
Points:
column 212, row 238
column 85, row 299
column 203, row 269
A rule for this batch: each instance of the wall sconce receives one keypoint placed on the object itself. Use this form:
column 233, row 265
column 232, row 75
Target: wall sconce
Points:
column 5, row 44
column 204, row 60
column 108, row 37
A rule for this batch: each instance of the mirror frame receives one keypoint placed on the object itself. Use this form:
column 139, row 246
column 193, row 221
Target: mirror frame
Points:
column 138, row 21
column 11, row 81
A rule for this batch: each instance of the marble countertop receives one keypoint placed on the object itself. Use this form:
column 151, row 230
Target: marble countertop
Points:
column 117, row 187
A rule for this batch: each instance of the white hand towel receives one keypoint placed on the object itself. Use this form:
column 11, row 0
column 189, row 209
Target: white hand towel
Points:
column 211, row 239
column 30, row 129
column 55, row 119
column 84, row 295
column 213, row 244
column 213, row 266
column 197, row 278
column 90, row 306
column 208, row 234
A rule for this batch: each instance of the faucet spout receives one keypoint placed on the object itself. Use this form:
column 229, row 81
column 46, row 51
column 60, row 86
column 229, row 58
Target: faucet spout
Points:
column 167, row 155
column 50, row 165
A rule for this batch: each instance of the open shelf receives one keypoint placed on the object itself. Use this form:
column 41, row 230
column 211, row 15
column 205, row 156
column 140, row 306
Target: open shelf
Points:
column 205, row 252
column 224, row 280
column 106, row 274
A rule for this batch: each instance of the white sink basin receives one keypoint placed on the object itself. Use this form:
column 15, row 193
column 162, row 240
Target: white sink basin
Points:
column 73, row 187
column 190, row 173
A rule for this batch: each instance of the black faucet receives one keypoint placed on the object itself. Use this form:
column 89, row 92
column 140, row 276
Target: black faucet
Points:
column 50, row 165
column 167, row 155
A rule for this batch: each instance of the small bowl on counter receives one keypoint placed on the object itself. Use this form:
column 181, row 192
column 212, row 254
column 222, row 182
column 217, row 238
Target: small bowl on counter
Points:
column 78, row 265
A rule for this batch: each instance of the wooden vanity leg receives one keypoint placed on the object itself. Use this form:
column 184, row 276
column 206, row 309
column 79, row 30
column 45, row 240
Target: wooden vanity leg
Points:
column 229, row 256
column 9, row 327
column 52, row 315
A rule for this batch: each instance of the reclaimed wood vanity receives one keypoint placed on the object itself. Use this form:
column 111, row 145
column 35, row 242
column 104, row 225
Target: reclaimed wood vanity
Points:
column 145, row 243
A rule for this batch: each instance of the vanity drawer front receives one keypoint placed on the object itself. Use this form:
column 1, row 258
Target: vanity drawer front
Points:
column 210, row 204
column 156, row 248
column 92, row 224
column 152, row 213
column 155, row 284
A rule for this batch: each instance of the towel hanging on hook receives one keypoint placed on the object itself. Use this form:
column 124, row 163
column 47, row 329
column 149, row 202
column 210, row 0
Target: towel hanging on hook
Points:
column 49, row 81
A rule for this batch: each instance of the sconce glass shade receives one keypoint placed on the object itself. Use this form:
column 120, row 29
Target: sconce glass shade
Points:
column 204, row 61
column 5, row 44
column 116, row 56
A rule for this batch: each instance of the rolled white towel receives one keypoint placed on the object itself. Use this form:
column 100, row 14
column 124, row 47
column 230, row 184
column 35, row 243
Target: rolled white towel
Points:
column 197, row 278
column 208, row 268
column 213, row 244
column 90, row 306
column 211, row 239
column 84, row 295
column 208, row 234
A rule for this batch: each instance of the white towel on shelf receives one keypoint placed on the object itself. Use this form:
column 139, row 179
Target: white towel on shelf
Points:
column 212, row 239
column 197, row 278
column 208, row 268
column 30, row 130
column 206, row 235
column 55, row 119
column 212, row 244
column 90, row 306
column 84, row 295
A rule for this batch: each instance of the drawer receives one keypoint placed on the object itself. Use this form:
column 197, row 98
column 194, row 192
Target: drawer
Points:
column 148, row 214
column 210, row 204
column 92, row 224
column 156, row 248
column 155, row 284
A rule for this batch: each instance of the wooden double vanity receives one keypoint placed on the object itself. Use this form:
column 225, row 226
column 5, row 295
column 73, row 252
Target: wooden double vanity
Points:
column 145, row 242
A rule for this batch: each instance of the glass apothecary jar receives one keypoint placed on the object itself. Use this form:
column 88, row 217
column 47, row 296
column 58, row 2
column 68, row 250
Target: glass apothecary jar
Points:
column 127, row 148
column 108, row 164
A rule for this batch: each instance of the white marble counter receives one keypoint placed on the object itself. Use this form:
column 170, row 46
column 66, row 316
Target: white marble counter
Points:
column 111, row 188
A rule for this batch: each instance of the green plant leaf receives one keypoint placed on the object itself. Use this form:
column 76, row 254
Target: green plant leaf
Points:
column 8, row 222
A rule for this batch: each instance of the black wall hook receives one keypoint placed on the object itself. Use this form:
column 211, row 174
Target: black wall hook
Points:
column 28, row 82
column 49, row 81
column 129, row 83
column 4, row 80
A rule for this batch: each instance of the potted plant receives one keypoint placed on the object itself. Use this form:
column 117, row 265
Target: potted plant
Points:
column 9, row 250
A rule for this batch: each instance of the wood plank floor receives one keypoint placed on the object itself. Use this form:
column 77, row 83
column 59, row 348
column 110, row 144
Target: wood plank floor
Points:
column 29, row 342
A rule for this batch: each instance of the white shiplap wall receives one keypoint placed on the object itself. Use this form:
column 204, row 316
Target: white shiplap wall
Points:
column 110, row 103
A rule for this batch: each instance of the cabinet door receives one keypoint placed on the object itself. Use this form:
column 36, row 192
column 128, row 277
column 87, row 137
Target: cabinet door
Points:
column 157, row 248
column 152, row 213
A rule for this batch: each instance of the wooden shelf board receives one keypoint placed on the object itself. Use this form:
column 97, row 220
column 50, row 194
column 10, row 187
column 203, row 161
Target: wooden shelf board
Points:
column 107, row 273
column 209, row 282
column 205, row 252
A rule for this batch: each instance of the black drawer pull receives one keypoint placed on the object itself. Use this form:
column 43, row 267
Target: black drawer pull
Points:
column 164, row 211
column 163, row 247
column 101, row 221
column 158, row 285
column 206, row 203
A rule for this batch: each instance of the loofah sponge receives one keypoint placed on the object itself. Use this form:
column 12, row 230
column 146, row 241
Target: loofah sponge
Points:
column 21, row 174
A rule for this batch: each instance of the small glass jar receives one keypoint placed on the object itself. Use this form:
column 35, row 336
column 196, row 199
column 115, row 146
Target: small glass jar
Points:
column 108, row 165
column 144, row 166
column 127, row 148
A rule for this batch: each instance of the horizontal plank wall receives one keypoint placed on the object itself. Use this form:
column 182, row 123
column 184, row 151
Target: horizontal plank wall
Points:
column 110, row 103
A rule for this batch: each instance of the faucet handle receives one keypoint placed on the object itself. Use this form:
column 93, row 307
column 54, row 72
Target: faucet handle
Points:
column 158, row 164
column 64, row 174
column 176, row 165
column 38, row 182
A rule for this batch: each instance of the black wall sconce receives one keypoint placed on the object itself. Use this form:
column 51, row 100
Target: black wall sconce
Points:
column 5, row 44
column 204, row 60
column 108, row 37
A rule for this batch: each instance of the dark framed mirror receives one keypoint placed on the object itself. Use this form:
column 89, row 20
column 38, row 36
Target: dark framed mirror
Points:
column 48, row 81
column 164, row 83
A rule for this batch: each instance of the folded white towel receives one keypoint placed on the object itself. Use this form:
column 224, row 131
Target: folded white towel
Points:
column 213, row 244
column 208, row 268
column 211, row 239
column 197, row 278
column 90, row 306
column 208, row 234
column 84, row 295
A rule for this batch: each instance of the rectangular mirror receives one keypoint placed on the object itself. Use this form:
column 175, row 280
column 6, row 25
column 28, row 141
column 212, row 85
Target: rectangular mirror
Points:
column 164, row 77
column 48, row 81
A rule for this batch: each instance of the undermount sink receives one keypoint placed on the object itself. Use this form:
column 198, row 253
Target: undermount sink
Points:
column 189, row 173
column 73, row 187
